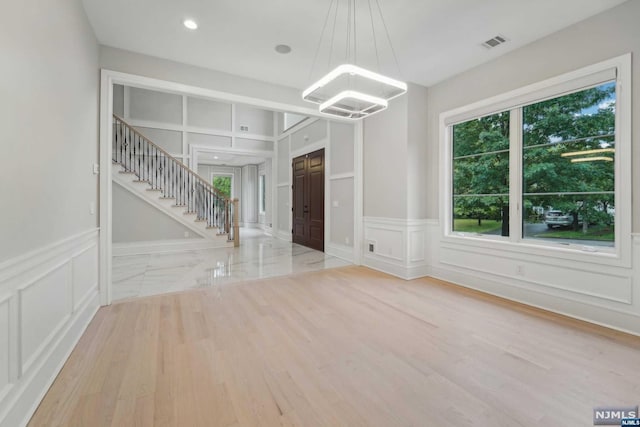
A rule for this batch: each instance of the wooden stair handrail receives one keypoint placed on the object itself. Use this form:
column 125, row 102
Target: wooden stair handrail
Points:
column 182, row 165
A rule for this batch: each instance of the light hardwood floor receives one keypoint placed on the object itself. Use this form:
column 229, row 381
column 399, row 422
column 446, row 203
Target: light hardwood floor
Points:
column 347, row 346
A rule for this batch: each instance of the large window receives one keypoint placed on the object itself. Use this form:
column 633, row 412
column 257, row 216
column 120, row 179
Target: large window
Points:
column 481, row 175
column 568, row 165
column 544, row 166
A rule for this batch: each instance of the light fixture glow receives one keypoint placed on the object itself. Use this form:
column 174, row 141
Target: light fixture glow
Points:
column 592, row 159
column 190, row 24
column 349, row 91
column 363, row 105
column 354, row 71
column 352, row 105
column 596, row 151
column 215, row 157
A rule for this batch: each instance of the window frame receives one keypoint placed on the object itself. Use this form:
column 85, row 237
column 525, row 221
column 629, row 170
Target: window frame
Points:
column 224, row 175
column 262, row 193
column 484, row 236
column 620, row 254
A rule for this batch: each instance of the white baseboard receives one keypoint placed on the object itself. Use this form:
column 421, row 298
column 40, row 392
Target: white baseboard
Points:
column 385, row 267
column 603, row 316
column 47, row 299
column 340, row 251
column 283, row 235
column 166, row 246
column 400, row 246
column 252, row 225
column 267, row 230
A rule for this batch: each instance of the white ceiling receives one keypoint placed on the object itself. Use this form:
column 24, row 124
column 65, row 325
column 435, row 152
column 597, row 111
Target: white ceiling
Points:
column 228, row 159
column 433, row 39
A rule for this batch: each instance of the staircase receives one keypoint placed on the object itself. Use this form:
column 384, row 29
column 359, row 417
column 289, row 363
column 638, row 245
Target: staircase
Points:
column 152, row 174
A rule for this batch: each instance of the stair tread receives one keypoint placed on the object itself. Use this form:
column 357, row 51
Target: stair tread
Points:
column 176, row 201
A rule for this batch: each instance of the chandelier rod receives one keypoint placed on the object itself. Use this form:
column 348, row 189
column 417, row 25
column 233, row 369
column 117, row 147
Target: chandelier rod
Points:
column 375, row 40
column 333, row 33
column 326, row 20
column 386, row 30
column 355, row 35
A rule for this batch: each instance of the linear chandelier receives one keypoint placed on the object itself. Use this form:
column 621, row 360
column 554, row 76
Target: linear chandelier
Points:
column 350, row 91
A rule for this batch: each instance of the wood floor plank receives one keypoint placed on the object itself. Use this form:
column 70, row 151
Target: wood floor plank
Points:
column 348, row 346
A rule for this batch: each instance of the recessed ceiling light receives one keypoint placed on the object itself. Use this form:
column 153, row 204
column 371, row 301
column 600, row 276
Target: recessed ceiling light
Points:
column 215, row 157
column 283, row 48
column 190, row 24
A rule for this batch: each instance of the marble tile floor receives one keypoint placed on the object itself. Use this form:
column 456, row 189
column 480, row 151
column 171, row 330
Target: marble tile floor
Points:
column 259, row 256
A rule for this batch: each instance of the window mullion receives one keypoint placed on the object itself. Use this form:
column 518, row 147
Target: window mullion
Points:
column 515, row 175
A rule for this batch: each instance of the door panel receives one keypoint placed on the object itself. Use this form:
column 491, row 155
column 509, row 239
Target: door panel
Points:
column 308, row 200
column 300, row 229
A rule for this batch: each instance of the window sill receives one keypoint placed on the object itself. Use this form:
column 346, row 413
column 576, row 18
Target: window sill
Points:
column 542, row 252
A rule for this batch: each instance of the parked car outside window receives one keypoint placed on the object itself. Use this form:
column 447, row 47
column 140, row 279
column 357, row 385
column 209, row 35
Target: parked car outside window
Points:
column 555, row 218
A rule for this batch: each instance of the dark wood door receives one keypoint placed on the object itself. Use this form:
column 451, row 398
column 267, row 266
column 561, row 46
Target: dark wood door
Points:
column 308, row 200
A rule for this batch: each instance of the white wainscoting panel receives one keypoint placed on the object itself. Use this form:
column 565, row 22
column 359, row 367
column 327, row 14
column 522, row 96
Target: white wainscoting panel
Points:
column 4, row 346
column 597, row 293
column 84, row 265
column 610, row 286
column 399, row 246
column 45, row 306
column 47, row 298
column 416, row 245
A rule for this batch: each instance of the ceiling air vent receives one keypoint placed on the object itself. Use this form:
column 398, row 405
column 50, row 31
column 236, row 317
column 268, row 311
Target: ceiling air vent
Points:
column 495, row 41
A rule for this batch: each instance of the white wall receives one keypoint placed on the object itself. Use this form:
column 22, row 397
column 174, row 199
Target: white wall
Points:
column 395, row 148
column 255, row 120
column 149, row 66
column 48, row 235
column 185, row 125
column 342, row 183
column 288, row 120
column 249, row 198
column 265, row 218
column 283, row 189
column 413, row 245
column 134, row 220
column 417, row 151
column 601, row 37
column 395, row 177
column 339, row 141
column 49, row 109
column 385, row 161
